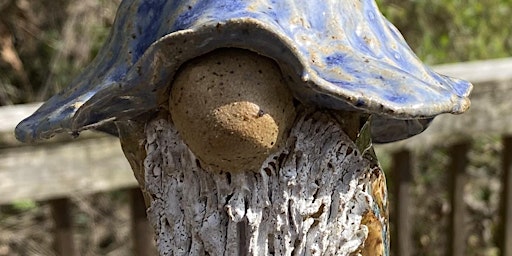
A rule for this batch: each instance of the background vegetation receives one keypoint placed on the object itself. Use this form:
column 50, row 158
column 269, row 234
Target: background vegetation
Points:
column 442, row 31
column 45, row 43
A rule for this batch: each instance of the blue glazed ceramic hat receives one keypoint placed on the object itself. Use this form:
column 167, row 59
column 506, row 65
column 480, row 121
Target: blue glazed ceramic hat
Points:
column 338, row 54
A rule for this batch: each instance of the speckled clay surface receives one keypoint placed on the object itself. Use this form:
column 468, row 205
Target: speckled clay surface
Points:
column 227, row 127
column 340, row 54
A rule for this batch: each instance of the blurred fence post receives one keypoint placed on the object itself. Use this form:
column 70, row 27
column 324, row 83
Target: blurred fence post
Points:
column 504, row 233
column 63, row 234
column 401, row 241
column 457, row 173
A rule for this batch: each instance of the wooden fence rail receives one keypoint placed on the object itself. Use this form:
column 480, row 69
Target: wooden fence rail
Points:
column 58, row 168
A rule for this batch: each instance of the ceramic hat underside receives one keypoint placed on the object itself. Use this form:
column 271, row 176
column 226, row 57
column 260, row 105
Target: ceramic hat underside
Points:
column 338, row 54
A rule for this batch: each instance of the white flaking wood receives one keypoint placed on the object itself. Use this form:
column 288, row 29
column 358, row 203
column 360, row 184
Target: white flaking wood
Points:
column 309, row 198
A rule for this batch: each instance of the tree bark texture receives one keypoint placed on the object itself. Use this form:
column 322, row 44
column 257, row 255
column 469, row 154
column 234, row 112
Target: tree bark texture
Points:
column 318, row 195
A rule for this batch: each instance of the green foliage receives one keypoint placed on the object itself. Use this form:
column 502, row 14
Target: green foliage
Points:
column 24, row 205
column 17, row 207
column 442, row 31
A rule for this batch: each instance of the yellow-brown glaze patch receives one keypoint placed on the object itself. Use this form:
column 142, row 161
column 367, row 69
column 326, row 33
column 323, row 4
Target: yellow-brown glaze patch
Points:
column 374, row 245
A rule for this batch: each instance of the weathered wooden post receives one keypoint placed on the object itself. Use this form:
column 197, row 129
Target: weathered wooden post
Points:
column 249, row 124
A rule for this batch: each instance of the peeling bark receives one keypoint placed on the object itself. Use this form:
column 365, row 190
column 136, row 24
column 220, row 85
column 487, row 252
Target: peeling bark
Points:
column 318, row 195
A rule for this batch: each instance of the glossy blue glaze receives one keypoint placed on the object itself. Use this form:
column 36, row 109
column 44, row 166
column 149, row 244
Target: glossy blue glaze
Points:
column 339, row 54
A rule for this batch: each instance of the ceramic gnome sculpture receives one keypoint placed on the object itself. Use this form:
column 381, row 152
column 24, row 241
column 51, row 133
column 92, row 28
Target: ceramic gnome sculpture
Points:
column 249, row 124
